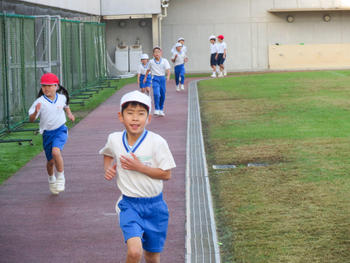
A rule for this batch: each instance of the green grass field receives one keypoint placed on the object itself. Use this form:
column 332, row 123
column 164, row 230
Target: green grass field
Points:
column 14, row 156
column 297, row 209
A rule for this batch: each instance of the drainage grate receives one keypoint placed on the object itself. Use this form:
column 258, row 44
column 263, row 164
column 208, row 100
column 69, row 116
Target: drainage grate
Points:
column 201, row 239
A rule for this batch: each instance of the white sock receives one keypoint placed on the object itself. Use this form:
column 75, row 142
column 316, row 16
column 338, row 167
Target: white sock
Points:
column 52, row 179
column 60, row 175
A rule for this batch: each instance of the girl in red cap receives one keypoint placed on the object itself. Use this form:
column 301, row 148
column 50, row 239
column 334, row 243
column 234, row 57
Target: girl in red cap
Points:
column 51, row 106
column 221, row 55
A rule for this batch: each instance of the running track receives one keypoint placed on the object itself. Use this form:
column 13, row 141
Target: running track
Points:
column 80, row 224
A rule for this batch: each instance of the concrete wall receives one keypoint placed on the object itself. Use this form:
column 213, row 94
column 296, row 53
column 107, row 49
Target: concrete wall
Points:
column 312, row 56
column 93, row 6
column 128, row 34
column 130, row 7
column 248, row 28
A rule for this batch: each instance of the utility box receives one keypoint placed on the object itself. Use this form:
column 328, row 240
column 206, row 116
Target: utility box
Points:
column 135, row 53
column 122, row 58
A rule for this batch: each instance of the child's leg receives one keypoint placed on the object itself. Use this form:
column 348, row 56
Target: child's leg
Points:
column 49, row 167
column 156, row 93
column 177, row 75
column 134, row 254
column 162, row 91
column 152, row 257
column 57, row 157
column 182, row 74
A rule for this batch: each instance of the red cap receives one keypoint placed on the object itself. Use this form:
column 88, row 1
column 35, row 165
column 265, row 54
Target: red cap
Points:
column 49, row 79
column 221, row 36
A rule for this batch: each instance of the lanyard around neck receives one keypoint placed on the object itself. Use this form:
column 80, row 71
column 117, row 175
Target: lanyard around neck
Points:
column 136, row 144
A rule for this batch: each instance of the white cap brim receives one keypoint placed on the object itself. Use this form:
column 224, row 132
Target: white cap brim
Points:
column 138, row 97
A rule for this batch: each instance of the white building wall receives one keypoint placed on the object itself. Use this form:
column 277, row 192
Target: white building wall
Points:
column 83, row 6
column 249, row 29
column 130, row 7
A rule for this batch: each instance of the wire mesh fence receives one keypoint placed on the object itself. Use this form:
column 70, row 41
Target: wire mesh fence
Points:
column 31, row 46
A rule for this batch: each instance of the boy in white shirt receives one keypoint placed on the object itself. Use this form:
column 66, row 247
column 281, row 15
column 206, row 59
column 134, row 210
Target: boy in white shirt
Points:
column 141, row 160
column 179, row 58
column 221, row 55
column 158, row 66
column 141, row 72
column 213, row 53
column 180, row 40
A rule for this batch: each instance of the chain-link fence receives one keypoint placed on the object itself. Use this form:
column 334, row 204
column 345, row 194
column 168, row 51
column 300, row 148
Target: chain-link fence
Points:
column 31, row 46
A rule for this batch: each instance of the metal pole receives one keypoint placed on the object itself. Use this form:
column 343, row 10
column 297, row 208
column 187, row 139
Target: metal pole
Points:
column 5, row 75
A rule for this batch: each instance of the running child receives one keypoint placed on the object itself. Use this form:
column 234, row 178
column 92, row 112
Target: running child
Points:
column 159, row 67
column 213, row 53
column 51, row 107
column 180, row 40
column 141, row 161
column 221, row 55
column 141, row 72
column 179, row 58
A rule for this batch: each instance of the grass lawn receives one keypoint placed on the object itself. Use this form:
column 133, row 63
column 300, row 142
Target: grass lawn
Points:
column 14, row 156
column 297, row 209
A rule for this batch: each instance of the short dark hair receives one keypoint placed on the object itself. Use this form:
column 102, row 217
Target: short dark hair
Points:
column 135, row 103
column 157, row 48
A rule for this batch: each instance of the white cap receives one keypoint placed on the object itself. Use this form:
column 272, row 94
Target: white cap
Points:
column 138, row 97
column 178, row 44
column 144, row 56
column 212, row 37
column 180, row 38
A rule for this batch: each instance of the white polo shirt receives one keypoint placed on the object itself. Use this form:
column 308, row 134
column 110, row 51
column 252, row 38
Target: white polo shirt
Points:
column 153, row 151
column 221, row 47
column 213, row 48
column 180, row 58
column 158, row 68
column 51, row 113
column 142, row 69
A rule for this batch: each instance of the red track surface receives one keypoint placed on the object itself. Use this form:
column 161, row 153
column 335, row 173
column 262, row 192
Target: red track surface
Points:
column 79, row 225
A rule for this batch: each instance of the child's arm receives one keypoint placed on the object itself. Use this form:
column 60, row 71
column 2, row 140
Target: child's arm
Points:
column 174, row 58
column 32, row 116
column 69, row 113
column 135, row 164
column 168, row 74
column 138, row 78
column 110, row 170
column 147, row 72
column 224, row 56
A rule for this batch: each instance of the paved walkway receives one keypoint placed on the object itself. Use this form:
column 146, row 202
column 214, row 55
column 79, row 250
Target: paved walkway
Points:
column 80, row 224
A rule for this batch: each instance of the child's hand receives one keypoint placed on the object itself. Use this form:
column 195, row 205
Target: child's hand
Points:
column 111, row 172
column 71, row 117
column 144, row 80
column 131, row 163
column 186, row 59
column 38, row 107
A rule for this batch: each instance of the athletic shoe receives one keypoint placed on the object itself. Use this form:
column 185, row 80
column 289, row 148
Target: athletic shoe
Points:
column 161, row 113
column 213, row 75
column 182, row 87
column 177, row 88
column 60, row 184
column 53, row 187
column 220, row 75
column 156, row 112
column 225, row 73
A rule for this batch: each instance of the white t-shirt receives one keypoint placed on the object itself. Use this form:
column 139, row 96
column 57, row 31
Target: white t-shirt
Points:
column 51, row 113
column 183, row 49
column 142, row 69
column 221, row 47
column 180, row 59
column 213, row 48
column 158, row 68
column 153, row 151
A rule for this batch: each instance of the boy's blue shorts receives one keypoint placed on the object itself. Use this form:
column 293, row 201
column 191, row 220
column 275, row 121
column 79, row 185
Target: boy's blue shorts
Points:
column 213, row 61
column 221, row 59
column 148, row 81
column 146, row 218
column 54, row 138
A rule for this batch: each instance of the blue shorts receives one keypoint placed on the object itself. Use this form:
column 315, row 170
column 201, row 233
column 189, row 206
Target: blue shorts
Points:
column 54, row 138
column 213, row 61
column 148, row 81
column 146, row 218
column 221, row 59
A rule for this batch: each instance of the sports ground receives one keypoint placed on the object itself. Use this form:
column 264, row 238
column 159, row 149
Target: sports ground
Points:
column 293, row 208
